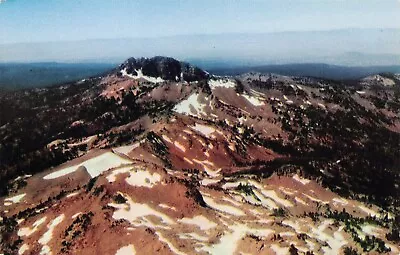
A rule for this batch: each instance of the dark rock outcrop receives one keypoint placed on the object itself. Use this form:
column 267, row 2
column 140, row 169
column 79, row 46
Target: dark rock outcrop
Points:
column 165, row 67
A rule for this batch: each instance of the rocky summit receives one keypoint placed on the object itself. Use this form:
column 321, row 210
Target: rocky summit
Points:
column 161, row 68
column 160, row 157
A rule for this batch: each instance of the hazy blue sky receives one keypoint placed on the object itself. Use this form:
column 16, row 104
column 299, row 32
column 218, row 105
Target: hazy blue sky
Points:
column 60, row 20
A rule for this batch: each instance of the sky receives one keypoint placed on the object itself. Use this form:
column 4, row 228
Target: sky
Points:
column 23, row 21
column 351, row 32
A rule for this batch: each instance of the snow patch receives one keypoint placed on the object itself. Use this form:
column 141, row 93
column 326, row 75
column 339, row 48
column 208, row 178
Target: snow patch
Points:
column 223, row 208
column 94, row 166
column 301, row 180
column 279, row 250
column 23, row 249
column 202, row 222
column 272, row 194
column 266, row 202
column 191, row 106
column 253, row 100
column 370, row 230
column 140, row 75
column 166, row 138
column 126, row 250
column 139, row 178
column 113, row 176
column 193, row 236
column 167, row 207
column 188, row 160
column 340, row 201
column 134, row 212
column 205, row 130
column 179, row 146
column 30, row 231
column 301, row 201
column 76, row 215
column 221, row 84
column 206, row 164
column 207, row 181
column 14, row 199
column 72, row 194
column 46, row 238
column 368, row 211
column 315, row 199
column 126, row 149
column 229, row 241
column 143, row 179
column 170, row 245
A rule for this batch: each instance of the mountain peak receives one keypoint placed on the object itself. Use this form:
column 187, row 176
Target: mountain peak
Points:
column 160, row 68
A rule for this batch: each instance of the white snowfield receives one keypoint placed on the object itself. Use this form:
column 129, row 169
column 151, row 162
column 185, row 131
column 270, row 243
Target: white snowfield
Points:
column 169, row 244
column 140, row 75
column 229, row 241
column 94, row 166
column 340, row 201
column 301, row 180
column 203, row 129
column 138, row 215
column 76, row 215
column 35, row 227
column 135, row 213
column 23, row 249
column 202, row 222
column 279, row 250
column 191, row 106
column 167, row 207
column 166, row 138
column 126, row 149
column 206, row 165
column 221, row 83
column 335, row 242
column 72, row 194
column 180, row 146
column 378, row 78
column 85, row 141
column 14, row 199
column 126, row 250
column 113, row 176
column 253, row 100
column 46, row 238
column 207, row 181
column 267, row 198
column 188, row 160
column 222, row 207
column 142, row 178
column 137, row 177
column 369, row 211
column 371, row 230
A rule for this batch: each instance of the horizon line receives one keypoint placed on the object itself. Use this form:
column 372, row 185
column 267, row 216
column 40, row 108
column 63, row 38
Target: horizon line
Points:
column 239, row 66
column 203, row 34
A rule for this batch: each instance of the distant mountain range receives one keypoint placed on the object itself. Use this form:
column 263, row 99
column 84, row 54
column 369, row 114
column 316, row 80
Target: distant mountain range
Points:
column 313, row 70
column 31, row 75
